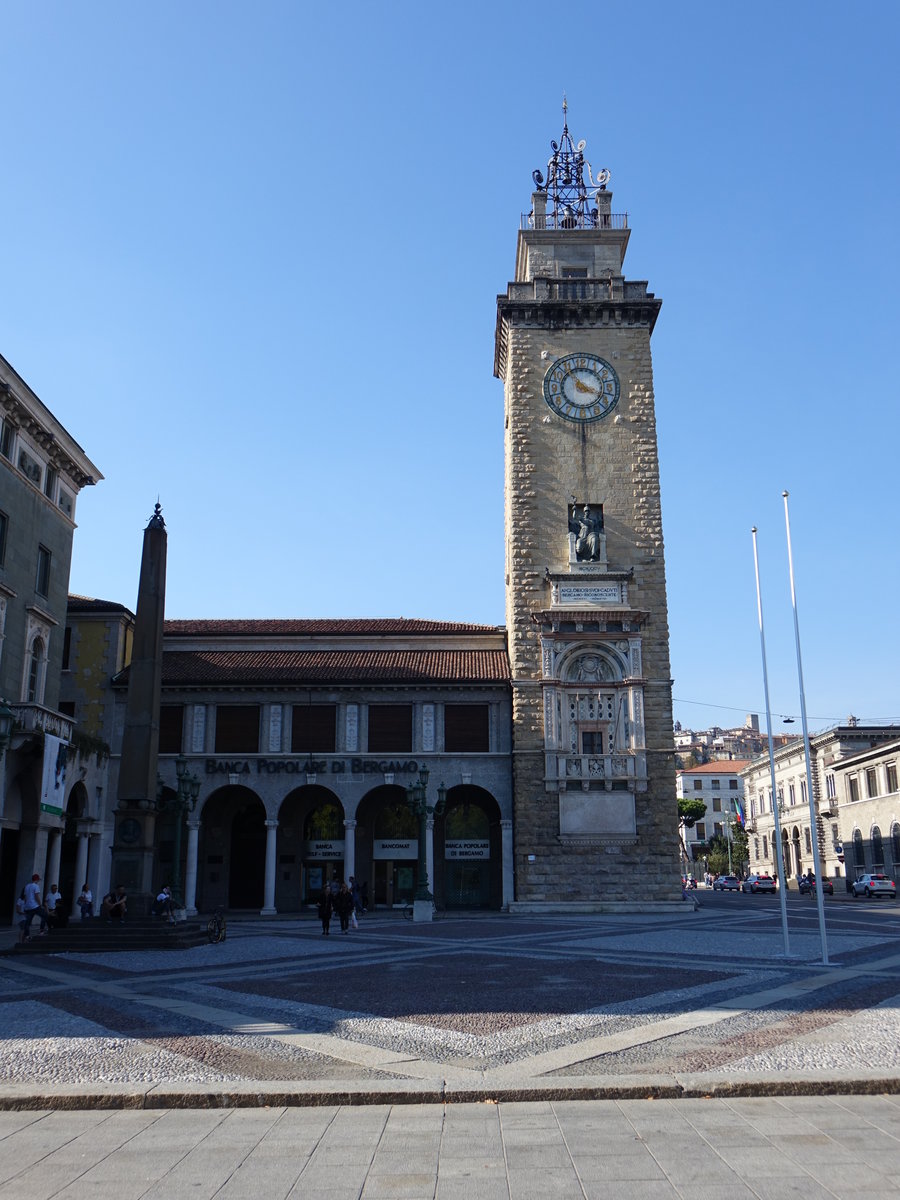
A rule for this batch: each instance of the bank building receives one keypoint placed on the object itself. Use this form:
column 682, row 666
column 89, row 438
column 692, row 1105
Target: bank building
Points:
column 517, row 767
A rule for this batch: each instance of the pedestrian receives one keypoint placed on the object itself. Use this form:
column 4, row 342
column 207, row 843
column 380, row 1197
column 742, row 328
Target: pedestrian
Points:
column 115, row 904
column 364, row 895
column 357, row 896
column 323, row 908
column 86, row 902
column 33, row 906
column 56, row 909
column 343, row 906
column 20, row 915
column 164, row 905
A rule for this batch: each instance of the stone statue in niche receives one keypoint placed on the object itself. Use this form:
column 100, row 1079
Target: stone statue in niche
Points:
column 586, row 524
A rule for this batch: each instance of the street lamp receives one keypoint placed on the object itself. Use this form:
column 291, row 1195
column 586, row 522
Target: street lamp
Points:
column 186, row 792
column 417, row 799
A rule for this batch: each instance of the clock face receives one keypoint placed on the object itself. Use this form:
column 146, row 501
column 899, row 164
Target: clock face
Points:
column 581, row 387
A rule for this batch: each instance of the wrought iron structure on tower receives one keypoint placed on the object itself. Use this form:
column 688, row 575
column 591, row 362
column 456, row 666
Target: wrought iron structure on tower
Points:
column 572, row 203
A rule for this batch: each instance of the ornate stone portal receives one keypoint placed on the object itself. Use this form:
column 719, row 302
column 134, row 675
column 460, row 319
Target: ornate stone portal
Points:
column 586, row 599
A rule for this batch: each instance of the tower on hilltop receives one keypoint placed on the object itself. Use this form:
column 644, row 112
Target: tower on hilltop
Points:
column 593, row 754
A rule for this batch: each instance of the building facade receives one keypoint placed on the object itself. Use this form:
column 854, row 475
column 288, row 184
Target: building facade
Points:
column 593, row 754
column 304, row 736
column 42, row 471
column 867, row 801
column 721, row 788
column 827, row 751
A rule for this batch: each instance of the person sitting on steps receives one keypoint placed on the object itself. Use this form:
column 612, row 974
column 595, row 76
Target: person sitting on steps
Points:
column 114, row 905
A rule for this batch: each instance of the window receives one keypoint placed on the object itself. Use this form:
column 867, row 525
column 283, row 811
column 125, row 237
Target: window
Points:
column 171, row 728
column 853, row 784
column 390, row 728
column 698, row 785
column 4, row 527
column 765, row 846
column 718, row 829
column 895, row 844
column 50, row 483
column 237, row 729
column 67, row 648
column 66, row 503
column 34, row 691
column 803, row 795
column 716, row 785
column 877, row 850
column 30, row 467
column 6, row 439
column 859, row 852
column 871, row 782
column 829, row 787
column 717, row 803
column 313, row 728
column 732, row 785
column 792, row 794
column 592, row 741
column 574, row 272
column 42, row 581
column 808, row 840
column 67, row 708
column 467, row 730
column 890, row 772
column 756, row 849
column 700, row 828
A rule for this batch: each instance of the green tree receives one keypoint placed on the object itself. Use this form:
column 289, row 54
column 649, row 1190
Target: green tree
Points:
column 689, row 813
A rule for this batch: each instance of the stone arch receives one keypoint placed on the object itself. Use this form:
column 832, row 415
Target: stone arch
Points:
column 877, row 845
column 387, row 845
column 859, row 852
column 468, row 850
column 232, row 849
column 76, row 808
column 593, row 664
column 797, row 850
column 311, row 848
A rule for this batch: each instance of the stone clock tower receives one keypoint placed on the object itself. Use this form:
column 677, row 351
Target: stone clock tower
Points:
column 593, row 754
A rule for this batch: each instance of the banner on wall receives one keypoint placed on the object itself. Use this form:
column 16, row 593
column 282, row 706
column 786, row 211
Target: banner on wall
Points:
column 469, row 848
column 53, row 776
column 323, row 849
column 383, row 848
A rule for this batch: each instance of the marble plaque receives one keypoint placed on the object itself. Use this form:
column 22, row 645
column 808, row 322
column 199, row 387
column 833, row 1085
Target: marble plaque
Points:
column 598, row 593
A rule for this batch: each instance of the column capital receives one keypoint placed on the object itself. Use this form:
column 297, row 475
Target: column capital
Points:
column 506, row 823
column 271, row 824
column 350, row 824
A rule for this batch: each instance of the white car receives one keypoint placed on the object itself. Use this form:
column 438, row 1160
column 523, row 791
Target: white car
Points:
column 875, row 885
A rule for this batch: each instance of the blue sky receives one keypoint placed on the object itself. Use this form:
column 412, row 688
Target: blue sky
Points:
column 251, row 255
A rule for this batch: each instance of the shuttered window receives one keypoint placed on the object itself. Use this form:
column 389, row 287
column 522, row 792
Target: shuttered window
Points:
column 390, row 728
column 237, row 729
column 171, row 726
column 466, row 728
column 313, row 728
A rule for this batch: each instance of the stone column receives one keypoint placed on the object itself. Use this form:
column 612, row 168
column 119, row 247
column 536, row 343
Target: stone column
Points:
column 190, row 874
column 506, row 858
column 81, row 863
column 53, row 859
column 349, row 849
column 268, row 909
column 429, row 851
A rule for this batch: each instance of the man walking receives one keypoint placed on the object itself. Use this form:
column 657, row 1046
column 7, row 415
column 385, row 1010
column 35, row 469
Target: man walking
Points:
column 33, row 906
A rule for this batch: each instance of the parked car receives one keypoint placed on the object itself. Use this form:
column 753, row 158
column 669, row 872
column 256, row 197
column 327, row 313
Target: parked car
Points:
column 807, row 885
column 758, row 883
column 875, row 885
column 727, row 883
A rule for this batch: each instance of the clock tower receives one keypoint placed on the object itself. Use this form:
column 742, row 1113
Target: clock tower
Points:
column 593, row 753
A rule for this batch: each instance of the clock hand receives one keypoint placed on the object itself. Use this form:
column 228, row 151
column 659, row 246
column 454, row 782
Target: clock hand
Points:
column 583, row 387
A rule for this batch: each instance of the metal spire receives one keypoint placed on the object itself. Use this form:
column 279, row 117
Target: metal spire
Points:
column 570, row 200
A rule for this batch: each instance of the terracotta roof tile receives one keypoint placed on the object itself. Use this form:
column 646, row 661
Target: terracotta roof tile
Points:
column 192, row 668
column 366, row 626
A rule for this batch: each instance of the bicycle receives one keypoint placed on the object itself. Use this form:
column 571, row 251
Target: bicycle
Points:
column 216, row 926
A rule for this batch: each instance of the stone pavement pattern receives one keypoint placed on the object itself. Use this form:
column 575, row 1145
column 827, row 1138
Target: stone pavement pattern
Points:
column 802, row 1148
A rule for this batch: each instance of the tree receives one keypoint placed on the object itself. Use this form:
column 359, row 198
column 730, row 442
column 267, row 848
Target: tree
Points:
column 689, row 813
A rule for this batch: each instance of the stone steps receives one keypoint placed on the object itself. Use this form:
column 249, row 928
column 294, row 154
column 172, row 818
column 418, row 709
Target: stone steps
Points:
column 96, row 936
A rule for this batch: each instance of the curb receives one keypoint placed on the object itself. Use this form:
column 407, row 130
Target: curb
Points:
column 291, row 1094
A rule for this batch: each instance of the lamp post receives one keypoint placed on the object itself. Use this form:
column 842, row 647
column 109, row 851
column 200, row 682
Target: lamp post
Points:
column 186, row 792
column 417, row 799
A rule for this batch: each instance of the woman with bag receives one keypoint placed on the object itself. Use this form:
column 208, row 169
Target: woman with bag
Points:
column 343, row 906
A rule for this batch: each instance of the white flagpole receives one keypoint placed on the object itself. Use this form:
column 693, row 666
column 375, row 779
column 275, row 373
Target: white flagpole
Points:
column 813, row 831
column 779, row 847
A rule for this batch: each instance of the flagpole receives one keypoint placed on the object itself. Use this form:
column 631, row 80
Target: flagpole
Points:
column 813, row 830
column 779, row 846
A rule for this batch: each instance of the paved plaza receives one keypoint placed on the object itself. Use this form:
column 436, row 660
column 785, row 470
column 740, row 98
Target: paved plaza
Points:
column 671, row 1054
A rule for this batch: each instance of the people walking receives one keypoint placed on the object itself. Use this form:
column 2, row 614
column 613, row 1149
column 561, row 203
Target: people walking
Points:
column 33, row 907
column 343, row 906
column 323, row 908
